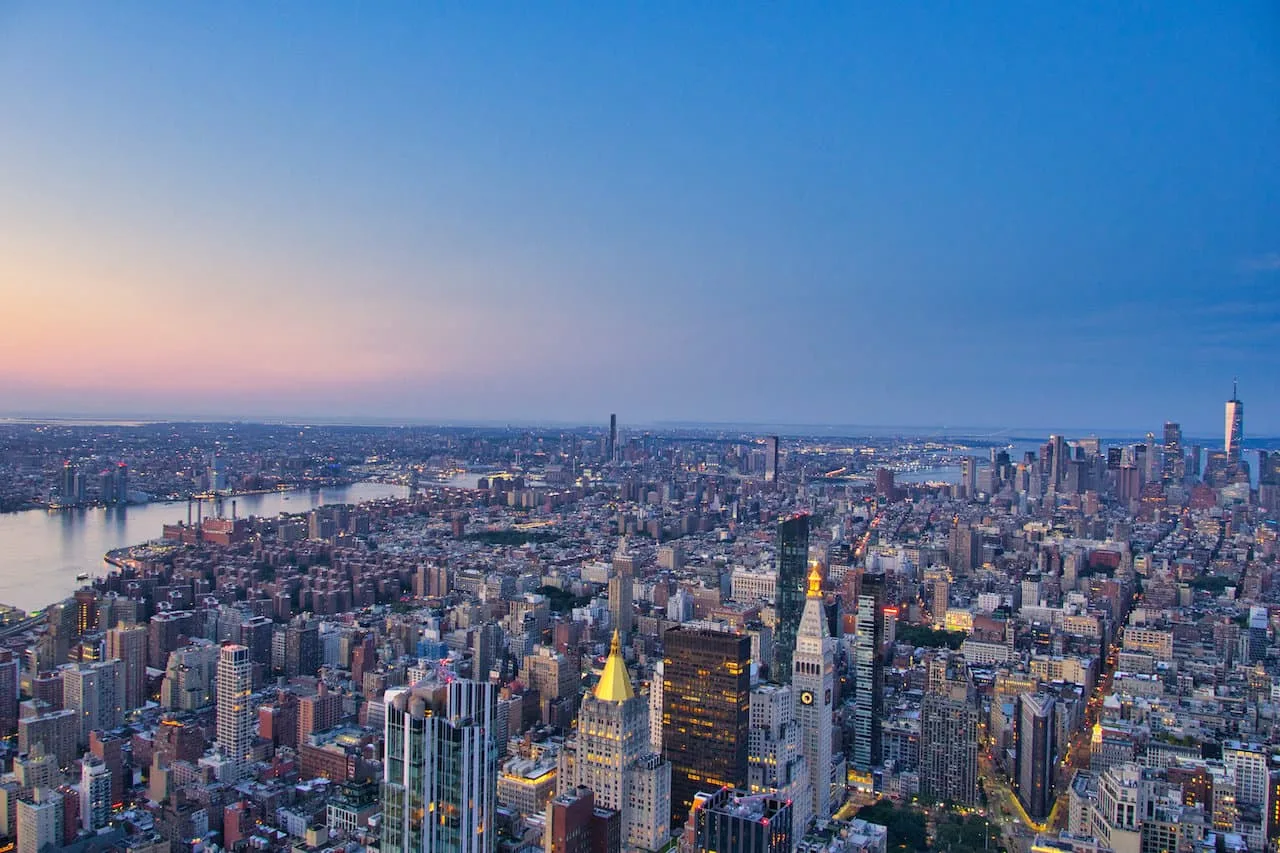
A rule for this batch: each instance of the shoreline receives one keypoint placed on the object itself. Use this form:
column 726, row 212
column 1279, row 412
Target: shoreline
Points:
column 200, row 497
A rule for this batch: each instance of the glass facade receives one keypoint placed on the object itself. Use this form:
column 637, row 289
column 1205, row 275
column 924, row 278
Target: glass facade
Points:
column 706, row 708
column 789, row 595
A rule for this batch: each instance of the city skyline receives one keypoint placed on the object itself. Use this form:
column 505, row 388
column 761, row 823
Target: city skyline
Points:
column 462, row 215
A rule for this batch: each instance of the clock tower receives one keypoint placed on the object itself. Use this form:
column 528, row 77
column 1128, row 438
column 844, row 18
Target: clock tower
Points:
column 813, row 677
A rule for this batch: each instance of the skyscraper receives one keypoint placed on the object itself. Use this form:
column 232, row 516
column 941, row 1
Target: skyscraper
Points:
column 969, row 476
column 813, row 678
column 789, row 592
column 234, row 715
column 441, row 768
column 868, row 673
column 1155, row 466
column 129, row 646
column 1057, row 461
column 771, row 459
column 611, row 443
column 620, row 608
column 706, row 706
column 1235, row 426
column 949, row 734
column 1033, row 781
column 1174, row 464
column 612, row 757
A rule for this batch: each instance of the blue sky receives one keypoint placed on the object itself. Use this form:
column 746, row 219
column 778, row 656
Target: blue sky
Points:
column 985, row 214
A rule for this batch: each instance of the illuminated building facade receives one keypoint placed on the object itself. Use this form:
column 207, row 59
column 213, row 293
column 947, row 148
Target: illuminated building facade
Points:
column 706, row 706
column 441, row 768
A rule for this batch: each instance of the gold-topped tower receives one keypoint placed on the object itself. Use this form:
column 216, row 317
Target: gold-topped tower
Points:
column 615, row 684
column 815, row 580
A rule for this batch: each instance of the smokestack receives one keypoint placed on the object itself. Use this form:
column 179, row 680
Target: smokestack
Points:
column 188, row 512
column 233, row 510
column 199, row 513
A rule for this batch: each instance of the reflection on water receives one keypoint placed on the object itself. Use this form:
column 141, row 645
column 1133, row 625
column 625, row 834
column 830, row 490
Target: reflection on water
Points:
column 41, row 552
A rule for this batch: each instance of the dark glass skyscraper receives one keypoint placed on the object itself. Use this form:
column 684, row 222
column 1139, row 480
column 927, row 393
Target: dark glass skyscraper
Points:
column 1033, row 781
column 1174, row 463
column 789, row 594
column 706, row 712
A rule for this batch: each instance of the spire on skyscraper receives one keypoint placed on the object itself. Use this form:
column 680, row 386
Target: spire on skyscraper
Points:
column 615, row 684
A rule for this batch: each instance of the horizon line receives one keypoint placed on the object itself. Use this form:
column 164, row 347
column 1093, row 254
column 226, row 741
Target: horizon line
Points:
column 793, row 429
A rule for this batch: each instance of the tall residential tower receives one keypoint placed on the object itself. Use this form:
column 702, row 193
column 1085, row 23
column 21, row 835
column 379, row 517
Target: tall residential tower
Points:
column 440, row 773
column 789, row 591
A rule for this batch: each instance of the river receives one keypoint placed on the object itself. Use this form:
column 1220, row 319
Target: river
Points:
column 42, row 551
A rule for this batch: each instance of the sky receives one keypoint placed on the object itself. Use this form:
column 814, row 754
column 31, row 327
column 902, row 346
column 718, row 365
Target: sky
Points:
column 1004, row 214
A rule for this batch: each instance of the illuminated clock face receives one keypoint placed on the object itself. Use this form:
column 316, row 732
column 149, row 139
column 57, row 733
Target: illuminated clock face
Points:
column 806, row 698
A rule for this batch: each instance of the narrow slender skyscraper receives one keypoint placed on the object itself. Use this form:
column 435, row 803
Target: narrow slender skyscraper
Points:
column 620, row 607
column 1235, row 426
column 789, row 591
column 868, row 674
column 235, row 716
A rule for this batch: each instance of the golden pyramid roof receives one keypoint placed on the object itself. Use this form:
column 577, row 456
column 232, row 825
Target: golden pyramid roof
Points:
column 615, row 684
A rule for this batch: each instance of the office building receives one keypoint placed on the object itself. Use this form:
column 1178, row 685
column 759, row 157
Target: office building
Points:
column 612, row 757
column 771, row 459
column 441, row 768
column 706, row 705
column 611, row 442
column 1057, row 461
column 1235, row 427
column 1154, row 460
column 789, row 593
column 234, row 714
column 727, row 821
column 1174, row 461
column 813, row 678
column 620, row 589
column 868, row 673
column 1033, row 781
column 129, row 646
